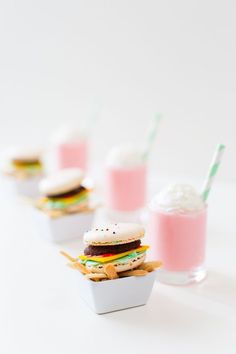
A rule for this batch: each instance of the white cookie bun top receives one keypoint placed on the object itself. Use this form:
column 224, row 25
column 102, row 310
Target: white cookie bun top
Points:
column 125, row 155
column 111, row 234
column 22, row 154
column 68, row 134
column 61, row 182
column 178, row 198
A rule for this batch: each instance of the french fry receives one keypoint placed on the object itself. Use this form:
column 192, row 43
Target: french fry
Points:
column 96, row 271
column 77, row 208
column 135, row 272
column 54, row 213
column 96, row 276
column 146, row 267
column 154, row 264
column 149, row 269
column 79, row 266
column 149, row 266
column 57, row 213
column 68, row 256
column 110, row 271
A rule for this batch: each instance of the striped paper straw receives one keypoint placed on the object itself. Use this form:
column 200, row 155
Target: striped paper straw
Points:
column 93, row 118
column 151, row 135
column 212, row 171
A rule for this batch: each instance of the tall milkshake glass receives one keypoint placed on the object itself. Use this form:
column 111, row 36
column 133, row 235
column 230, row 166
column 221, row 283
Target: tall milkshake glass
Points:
column 177, row 231
column 125, row 182
column 70, row 148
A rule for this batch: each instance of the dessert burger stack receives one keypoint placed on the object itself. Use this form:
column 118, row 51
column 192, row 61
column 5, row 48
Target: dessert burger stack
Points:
column 117, row 244
column 113, row 264
column 63, row 193
column 23, row 163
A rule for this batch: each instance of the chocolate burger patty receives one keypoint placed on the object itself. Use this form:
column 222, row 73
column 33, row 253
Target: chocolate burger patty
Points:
column 67, row 194
column 26, row 162
column 98, row 250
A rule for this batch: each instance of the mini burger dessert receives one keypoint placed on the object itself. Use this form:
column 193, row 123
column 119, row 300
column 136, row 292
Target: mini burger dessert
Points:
column 22, row 170
column 64, row 193
column 23, row 163
column 113, row 274
column 117, row 244
column 64, row 210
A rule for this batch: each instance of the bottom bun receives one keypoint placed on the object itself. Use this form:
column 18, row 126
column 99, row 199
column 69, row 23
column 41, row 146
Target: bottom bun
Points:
column 120, row 266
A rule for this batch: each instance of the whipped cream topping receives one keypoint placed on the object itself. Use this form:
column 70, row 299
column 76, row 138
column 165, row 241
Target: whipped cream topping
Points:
column 125, row 155
column 178, row 198
column 68, row 134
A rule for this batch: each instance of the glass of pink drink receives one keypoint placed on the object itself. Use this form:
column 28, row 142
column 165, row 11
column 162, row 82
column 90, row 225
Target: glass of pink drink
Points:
column 70, row 149
column 73, row 154
column 125, row 181
column 177, row 231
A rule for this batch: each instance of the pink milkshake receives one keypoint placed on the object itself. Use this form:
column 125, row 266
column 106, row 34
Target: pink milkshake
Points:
column 70, row 149
column 125, row 184
column 177, row 230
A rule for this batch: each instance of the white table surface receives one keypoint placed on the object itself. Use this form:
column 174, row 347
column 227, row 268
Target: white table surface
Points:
column 42, row 313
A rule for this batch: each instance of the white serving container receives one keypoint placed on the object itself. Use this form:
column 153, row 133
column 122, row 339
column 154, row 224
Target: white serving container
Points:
column 13, row 187
column 118, row 294
column 27, row 187
column 63, row 228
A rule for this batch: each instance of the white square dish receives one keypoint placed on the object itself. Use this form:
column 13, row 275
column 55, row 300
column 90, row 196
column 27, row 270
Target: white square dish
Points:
column 63, row 228
column 118, row 294
column 27, row 187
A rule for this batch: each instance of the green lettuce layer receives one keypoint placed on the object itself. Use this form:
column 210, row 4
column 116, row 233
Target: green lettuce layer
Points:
column 121, row 259
column 56, row 204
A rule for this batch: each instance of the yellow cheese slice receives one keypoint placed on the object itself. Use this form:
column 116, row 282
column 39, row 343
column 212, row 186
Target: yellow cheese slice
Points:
column 112, row 258
column 64, row 200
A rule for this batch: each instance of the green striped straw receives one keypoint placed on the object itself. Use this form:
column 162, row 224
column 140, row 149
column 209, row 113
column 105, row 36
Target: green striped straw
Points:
column 212, row 171
column 151, row 135
column 93, row 118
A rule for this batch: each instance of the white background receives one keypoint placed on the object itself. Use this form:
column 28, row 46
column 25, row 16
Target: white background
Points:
column 61, row 59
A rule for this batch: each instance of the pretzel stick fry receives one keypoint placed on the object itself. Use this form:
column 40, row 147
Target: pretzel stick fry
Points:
column 96, row 271
column 154, row 264
column 68, row 256
column 78, row 266
column 96, row 276
column 53, row 213
column 150, row 266
column 135, row 272
column 146, row 267
column 110, row 271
